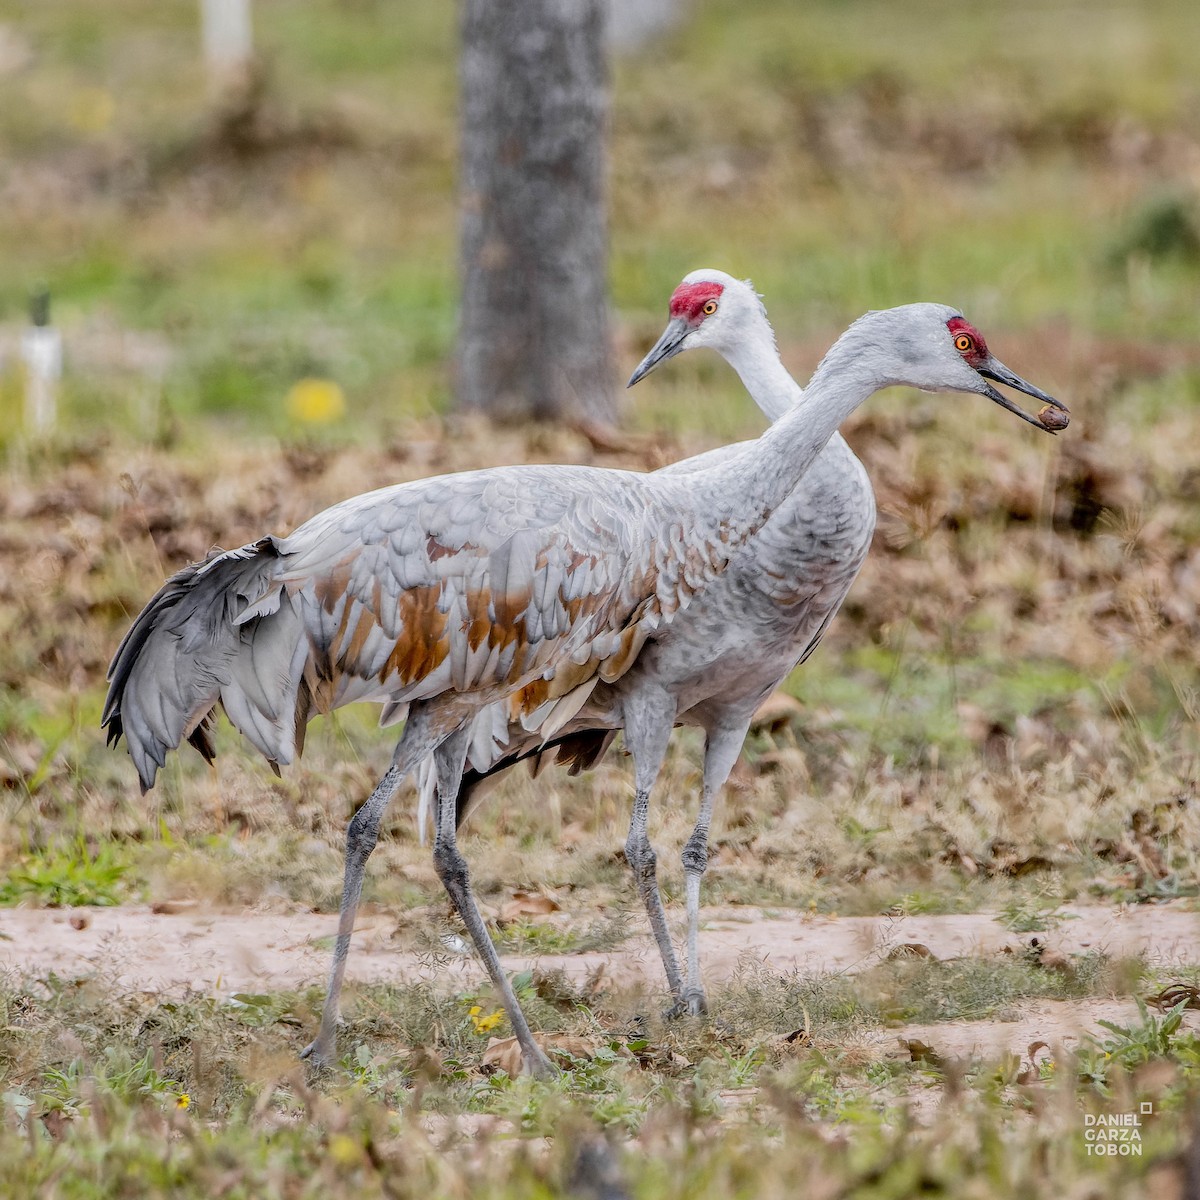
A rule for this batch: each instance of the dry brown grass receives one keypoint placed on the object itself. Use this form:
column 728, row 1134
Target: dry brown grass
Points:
column 927, row 763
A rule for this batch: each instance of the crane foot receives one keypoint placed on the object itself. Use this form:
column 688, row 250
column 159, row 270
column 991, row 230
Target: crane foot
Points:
column 538, row 1065
column 315, row 1059
column 318, row 1056
column 692, row 1003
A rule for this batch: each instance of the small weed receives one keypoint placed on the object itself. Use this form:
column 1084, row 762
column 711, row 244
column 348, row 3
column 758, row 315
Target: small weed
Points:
column 68, row 876
column 68, row 1090
column 970, row 989
column 913, row 904
column 605, row 1084
column 529, row 937
column 535, row 937
column 376, row 1073
column 742, row 1068
column 1131, row 1046
column 257, row 1009
column 1033, row 914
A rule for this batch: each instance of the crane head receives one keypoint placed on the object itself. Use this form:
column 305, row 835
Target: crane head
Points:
column 932, row 347
column 973, row 350
column 709, row 308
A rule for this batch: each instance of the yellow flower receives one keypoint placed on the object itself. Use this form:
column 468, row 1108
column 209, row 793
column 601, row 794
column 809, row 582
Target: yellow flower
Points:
column 183, row 1100
column 484, row 1024
column 344, row 1150
column 92, row 110
column 316, row 401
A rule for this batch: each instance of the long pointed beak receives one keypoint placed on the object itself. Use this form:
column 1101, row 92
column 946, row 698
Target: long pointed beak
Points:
column 995, row 369
column 666, row 347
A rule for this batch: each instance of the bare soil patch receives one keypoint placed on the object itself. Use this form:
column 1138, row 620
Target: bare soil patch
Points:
column 203, row 949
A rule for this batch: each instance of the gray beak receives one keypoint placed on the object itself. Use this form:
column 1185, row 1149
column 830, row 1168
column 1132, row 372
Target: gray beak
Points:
column 995, row 369
column 666, row 347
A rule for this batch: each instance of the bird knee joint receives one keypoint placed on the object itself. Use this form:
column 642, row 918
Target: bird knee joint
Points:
column 361, row 836
column 695, row 857
column 641, row 858
column 450, row 864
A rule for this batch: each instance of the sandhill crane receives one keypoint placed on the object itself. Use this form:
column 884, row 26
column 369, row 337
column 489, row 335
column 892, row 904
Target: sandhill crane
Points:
column 438, row 597
column 745, row 633
column 742, row 636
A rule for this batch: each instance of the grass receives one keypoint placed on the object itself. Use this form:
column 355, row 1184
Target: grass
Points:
column 67, row 876
column 971, row 989
column 94, row 1094
column 1002, row 719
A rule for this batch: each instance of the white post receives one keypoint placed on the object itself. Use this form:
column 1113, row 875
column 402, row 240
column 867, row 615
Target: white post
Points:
column 228, row 38
column 41, row 358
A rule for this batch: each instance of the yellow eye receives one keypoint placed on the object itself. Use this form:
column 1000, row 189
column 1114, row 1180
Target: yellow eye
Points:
column 963, row 343
column 709, row 308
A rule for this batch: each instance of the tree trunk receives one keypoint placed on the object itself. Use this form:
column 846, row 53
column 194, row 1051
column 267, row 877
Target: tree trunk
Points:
column 534, row 334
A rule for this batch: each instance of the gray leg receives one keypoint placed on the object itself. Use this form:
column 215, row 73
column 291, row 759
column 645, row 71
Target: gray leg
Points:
column 649, row 719
column 720, row 753
column 418, row 739
column 452, row 870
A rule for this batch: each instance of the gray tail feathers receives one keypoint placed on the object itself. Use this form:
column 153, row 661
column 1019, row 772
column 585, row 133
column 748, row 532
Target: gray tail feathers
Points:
column 188, row 649
column 578, row 752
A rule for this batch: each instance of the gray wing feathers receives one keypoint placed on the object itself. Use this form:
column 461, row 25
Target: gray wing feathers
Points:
column 484, row 582
column 178, row 660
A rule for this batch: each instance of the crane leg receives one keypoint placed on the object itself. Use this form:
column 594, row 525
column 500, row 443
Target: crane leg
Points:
column 721, row 749
column 421, row 735
column 452, row 870
column 649, row 719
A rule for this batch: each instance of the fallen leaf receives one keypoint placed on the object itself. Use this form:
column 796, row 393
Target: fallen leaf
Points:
column 919, row 1051
column 1017, row 867
column 1030, row 1072
column 912, row 950
column 1173, row 994
column 80, row 920
column 528, row 904
column 504, row 1054
column 1051, row 960
column 560, row 1044
column 425, row 1062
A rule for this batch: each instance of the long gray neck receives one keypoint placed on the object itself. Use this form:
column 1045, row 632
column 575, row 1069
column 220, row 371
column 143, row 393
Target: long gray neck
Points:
column 750, row 486
column 755, row 357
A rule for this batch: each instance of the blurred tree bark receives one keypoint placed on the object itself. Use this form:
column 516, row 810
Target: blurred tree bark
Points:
column 534, row 330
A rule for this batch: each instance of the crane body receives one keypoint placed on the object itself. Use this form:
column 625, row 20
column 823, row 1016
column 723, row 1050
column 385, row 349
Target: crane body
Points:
column 736, row 642
column 533, row 585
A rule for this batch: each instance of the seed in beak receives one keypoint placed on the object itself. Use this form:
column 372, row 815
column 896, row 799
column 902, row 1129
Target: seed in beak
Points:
column 1053, row 418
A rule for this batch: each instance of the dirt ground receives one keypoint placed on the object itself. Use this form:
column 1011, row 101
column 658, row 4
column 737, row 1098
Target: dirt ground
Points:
column 197, row 949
